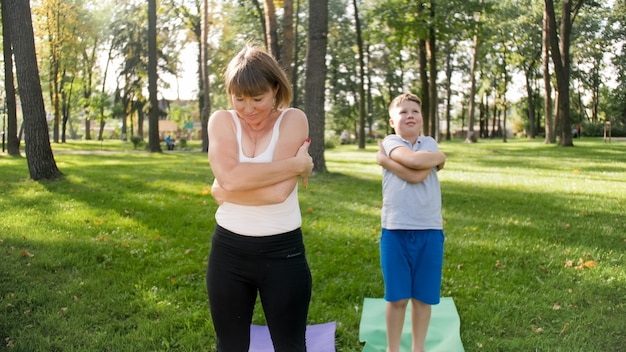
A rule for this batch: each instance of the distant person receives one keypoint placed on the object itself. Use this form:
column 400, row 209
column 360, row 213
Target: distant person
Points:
column 169, row 143
column 411, row 245
column 345, row 137
column 258, row 151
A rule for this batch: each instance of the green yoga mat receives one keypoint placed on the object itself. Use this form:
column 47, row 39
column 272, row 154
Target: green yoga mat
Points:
column 443, row 332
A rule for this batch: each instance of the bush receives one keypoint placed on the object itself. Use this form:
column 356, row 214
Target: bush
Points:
column 136, row 140
column 182, row 143
column 590, row 129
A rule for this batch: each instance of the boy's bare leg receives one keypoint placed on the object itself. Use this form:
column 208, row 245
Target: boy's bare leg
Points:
column 420, row 317
column 395, row 321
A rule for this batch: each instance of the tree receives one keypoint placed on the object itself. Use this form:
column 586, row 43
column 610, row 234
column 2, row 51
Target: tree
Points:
column 9, row 106
column 205, row 83
column 154, row 143
column 271, row 29
column 560, row 52
column 316, row 78
column 547, row 81
column 359, row 41
column 471, row 137
column 41, row 163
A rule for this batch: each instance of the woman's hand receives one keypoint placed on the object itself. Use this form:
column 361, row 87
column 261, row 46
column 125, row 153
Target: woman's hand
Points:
column 307, row 161
column 217, row 192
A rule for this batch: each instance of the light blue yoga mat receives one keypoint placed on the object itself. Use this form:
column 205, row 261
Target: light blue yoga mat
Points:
column 319, row 338
column 443, row 332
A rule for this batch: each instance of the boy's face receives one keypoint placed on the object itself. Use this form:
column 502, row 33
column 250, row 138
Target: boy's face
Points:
column 406, row 119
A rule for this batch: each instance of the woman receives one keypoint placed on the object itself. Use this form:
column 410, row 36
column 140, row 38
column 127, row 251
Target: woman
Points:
column 257, row 152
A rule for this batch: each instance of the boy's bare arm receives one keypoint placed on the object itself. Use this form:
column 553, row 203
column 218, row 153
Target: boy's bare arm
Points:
column 405, row 173
column 419, row 160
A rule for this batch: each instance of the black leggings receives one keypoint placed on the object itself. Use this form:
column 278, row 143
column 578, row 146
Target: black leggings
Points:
column 276, row 268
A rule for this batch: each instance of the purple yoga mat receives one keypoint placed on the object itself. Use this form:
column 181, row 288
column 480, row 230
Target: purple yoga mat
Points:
column 319, row 338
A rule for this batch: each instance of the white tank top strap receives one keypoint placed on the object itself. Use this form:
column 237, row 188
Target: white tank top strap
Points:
column 268, row 153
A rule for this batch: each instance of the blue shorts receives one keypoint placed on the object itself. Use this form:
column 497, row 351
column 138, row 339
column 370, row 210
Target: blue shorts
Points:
column 412, row 262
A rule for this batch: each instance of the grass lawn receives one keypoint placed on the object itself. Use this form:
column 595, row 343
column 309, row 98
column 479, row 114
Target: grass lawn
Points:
column 113, row 256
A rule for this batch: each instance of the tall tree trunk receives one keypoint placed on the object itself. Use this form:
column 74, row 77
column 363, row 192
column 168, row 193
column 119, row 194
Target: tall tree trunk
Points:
column 431, row 46
column 531, row 102
column 41, row 163
column 559, row 49
column 471, row 138
column 424, row 85
column 204, row 75
column 448, row 52
column 296, row 63
column 10, row 105
column 286, row 49
column 316, row 78
column 154, row 142
column 359, row 41
column 271, row 28
column 547, row 81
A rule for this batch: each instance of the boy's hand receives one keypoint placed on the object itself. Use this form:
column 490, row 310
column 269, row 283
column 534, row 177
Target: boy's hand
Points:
column 381, row 156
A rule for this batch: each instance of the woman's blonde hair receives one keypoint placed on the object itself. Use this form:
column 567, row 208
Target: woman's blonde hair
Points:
column 253, row 71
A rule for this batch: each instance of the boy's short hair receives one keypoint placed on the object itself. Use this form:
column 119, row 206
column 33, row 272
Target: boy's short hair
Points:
column 404, row 97
column 254, row 71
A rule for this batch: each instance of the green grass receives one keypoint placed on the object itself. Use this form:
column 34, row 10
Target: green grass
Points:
column 112, row 257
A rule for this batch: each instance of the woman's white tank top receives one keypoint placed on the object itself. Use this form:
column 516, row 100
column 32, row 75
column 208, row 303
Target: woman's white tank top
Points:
column 263, row 220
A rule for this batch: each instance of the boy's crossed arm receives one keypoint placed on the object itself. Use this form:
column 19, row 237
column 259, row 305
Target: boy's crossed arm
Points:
column 413, row 167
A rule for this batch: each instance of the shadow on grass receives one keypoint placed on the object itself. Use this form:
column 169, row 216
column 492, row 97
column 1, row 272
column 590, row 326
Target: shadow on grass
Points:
column 129, row 235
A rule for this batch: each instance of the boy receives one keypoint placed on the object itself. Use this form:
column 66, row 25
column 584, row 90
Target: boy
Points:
column 411, row 245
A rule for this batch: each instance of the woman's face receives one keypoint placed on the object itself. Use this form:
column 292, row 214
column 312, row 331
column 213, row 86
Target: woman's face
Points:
column 254, row 108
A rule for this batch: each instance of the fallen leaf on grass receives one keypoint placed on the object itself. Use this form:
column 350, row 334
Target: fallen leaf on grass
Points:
column 206, row 192
column 537, row 329
column 309, row 210
column 556, row 306
column 26, row 254
column 585, row 264
column 8, row 342
column 565, row 326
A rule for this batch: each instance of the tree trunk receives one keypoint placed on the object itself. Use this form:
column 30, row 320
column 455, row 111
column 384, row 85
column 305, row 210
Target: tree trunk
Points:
column 531, row 103
column 448, row 52
column 41, row 164
column 471, row 138
column 316, row 78
column 559, row 49
column 204, row 75
column 154, row 142
column 296, row 63
column 547, row 99
column 271, row 28
column 10, row 105
column 423, row 73
column 431, row 46
column 286, row 49
column 359, row 41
